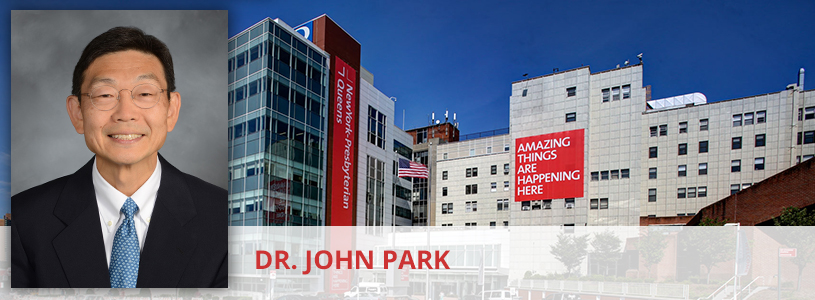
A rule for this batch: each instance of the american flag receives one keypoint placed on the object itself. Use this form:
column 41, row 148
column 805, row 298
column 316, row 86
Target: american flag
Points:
column 412, row 169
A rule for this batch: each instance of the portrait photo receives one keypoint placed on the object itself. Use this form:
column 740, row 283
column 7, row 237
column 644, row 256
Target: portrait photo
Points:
column 118, row 149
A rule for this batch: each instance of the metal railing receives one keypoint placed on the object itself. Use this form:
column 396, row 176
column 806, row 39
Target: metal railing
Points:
column 477, row 135
column 726, row 284
column 663, row 290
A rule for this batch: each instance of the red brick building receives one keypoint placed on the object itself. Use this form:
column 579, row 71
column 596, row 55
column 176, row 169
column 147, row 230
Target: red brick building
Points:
column 761, row 202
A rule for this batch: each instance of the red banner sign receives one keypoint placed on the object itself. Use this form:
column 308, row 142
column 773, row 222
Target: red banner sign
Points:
column 343, row 137
column 549, row 166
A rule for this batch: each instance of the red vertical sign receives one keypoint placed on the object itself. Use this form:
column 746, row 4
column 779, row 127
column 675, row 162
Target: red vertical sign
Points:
column 343, row 134
column 549, row 166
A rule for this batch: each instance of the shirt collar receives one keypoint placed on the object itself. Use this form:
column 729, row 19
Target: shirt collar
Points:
column 110, row 200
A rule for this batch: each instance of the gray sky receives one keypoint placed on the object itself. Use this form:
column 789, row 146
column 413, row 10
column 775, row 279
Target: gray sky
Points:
column 45, row 46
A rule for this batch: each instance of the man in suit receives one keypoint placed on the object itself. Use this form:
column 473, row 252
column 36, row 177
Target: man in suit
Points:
column 128, row 218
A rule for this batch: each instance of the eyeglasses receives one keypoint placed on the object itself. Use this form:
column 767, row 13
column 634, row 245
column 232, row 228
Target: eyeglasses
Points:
column 106, row 97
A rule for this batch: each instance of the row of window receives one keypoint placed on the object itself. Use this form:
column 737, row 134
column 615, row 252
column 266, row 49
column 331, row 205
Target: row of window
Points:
column 471, row 224
column 570, row 92
column 545, row 204
column 662, row 130
column 735, row 144
column 473, row 172
column 612, row 174
column 600, row 203
column 473, row 188
column 472, row 151
column 806, row 113
column 681, row 193
column 613, row 93
column 760, row 117
column 806, row 137
column 376, row 127
column 691, row 192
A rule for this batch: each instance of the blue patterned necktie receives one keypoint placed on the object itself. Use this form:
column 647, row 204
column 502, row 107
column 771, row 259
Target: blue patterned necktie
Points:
column 124, row 258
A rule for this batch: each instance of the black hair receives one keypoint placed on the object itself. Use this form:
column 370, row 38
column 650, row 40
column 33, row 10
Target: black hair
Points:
column 120, row 39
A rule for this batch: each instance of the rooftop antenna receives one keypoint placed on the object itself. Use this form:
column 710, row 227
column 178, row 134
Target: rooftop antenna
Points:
column 618, row 66
column 445, row 116
column 626, row 62
column 639, row 56
column 432, row 118
column 455, row 123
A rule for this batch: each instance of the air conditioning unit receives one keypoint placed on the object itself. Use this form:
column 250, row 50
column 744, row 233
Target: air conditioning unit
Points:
column 569, row 205
column 525, row 207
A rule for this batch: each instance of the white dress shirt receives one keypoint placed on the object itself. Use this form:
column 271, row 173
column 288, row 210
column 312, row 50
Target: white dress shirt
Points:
column 110, row 201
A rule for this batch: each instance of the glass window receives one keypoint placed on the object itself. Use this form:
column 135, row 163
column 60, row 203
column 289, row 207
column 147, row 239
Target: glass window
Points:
column 736, row 143
column 748, row 119
column 506, row 185
column 626, row 91
column 703, row 146
column 759, row 163
column 595, row 176
column 683, row 127
column 809, row 113
column 702, row 168
column 703, row 125
column 691, row 192
column 493, row 186
column 444, row 191
column 603, row 175
column 680, row 193
column 444, row 175
column 624, row 173
column 615, row 93
column 652, row 152
column 702, row 191
column 571, row 91
column 653, row 131
column 489, row 149
column 569, row 203
column 760, row 140
column 683, row 149
column 506, row 169
column 594, row 203
column 506, row 147
column 734, row 188
column 523, row 94
column 475, row 172
column 603, row 203
column 682, row 170
column 571, row 117
column 652, row 173
column 652, row 195
column 809, row 137
column 615, row 174
column 472, row 152
column 736, row 120
column 735, row 165
column 526, row 205
column 493, row 170
column 761, row 117
column 663, row 129
column 606, row 95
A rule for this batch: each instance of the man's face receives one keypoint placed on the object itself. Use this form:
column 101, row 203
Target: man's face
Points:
column 127, row 134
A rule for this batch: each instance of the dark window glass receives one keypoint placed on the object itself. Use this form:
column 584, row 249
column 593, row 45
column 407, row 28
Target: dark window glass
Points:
column 652, row 152
column 703, row 146
column 760, row 140
column 736, row 143
column 683, row 149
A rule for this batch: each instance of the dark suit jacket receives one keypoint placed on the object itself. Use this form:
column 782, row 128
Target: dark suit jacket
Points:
column 56, row 239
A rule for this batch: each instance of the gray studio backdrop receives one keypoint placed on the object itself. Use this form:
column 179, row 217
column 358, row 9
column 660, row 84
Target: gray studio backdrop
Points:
column 45, row 46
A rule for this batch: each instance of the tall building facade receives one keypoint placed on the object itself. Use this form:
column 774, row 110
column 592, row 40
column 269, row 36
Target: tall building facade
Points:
column 384, row 198
column 643, row 161
column 426, row 140
column 277, row 127
column 312, row 141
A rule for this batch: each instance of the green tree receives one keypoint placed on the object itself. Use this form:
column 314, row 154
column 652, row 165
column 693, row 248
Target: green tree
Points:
column 707, row 221
column 651, row 246
column 710, row 245
column 607, row 248
column 797, row 236
column 570, row 250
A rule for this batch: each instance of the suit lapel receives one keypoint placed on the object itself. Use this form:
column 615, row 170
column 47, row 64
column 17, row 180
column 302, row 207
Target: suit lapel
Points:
column 169, row 243
column 79, row 246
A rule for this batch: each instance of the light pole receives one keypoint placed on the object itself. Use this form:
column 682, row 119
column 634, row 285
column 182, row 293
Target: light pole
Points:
column 736, row 261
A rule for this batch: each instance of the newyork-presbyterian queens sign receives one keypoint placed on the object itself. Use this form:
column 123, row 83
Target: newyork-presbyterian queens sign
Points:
column 549, row 166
